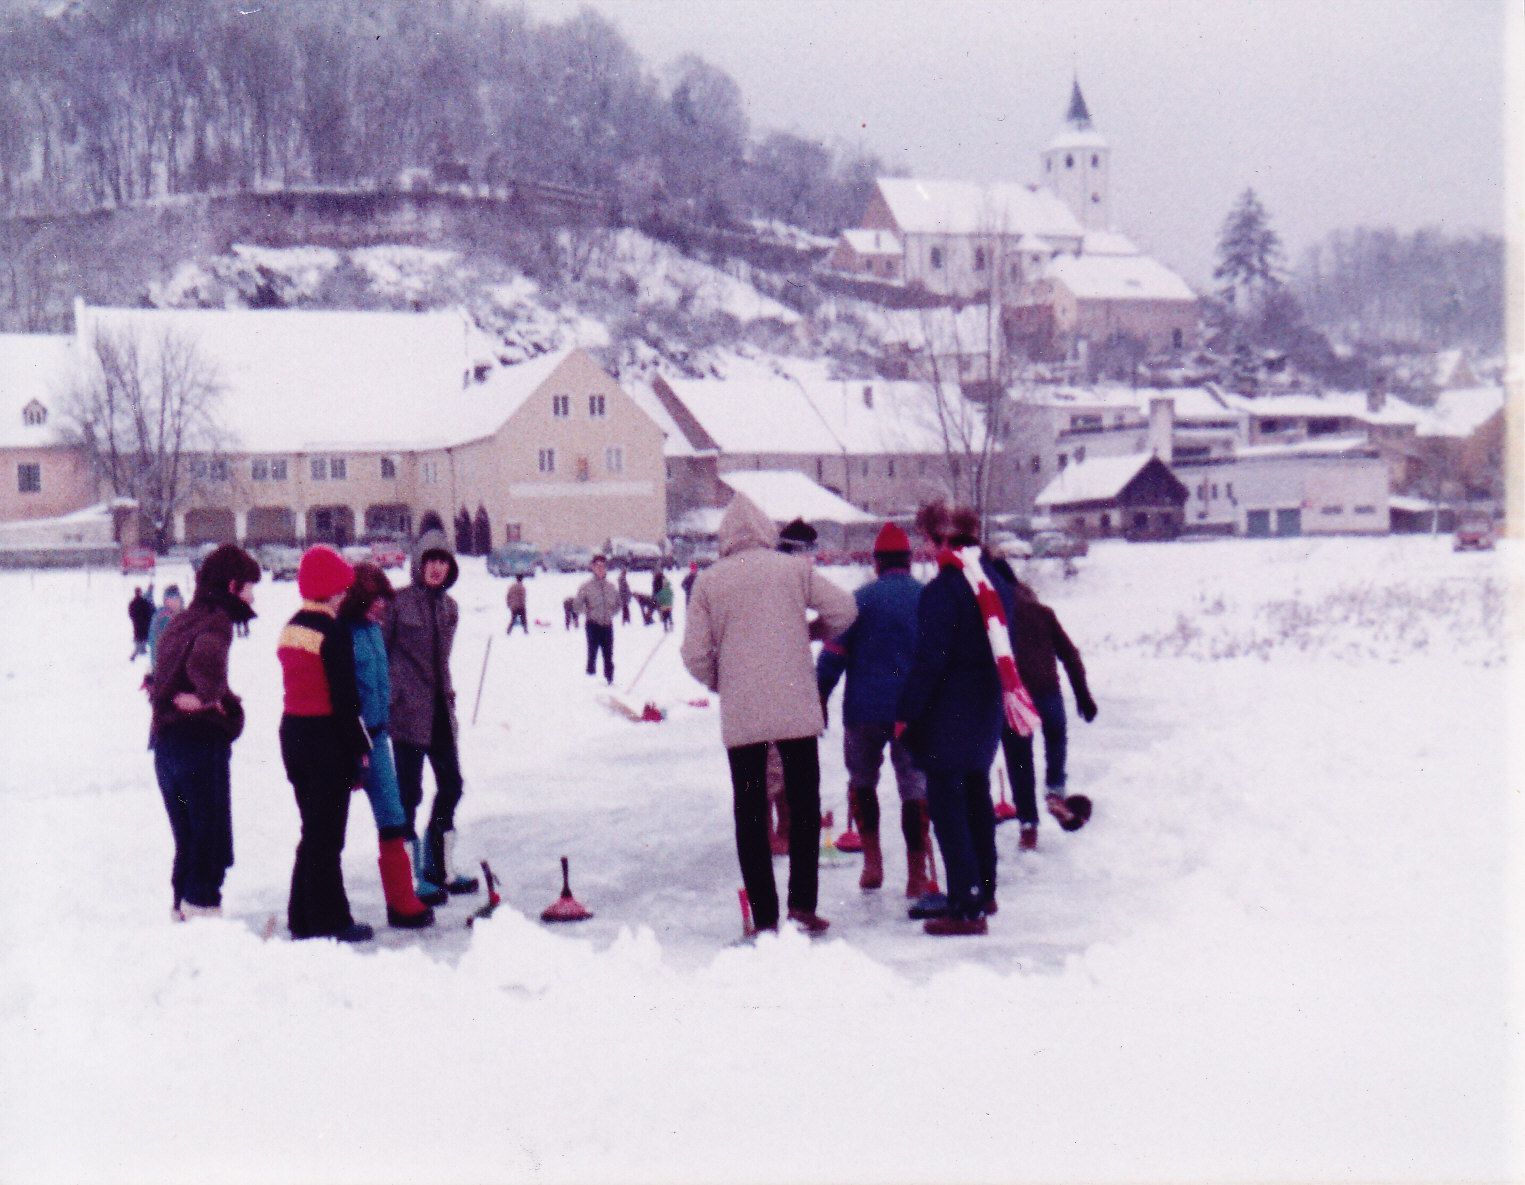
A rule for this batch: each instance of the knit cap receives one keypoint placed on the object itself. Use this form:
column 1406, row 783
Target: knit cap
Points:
column 323, row 573
column 891, row 539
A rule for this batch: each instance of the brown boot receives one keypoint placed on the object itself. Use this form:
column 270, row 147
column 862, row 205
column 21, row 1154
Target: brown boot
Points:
column 913, row 826
column 873, row 862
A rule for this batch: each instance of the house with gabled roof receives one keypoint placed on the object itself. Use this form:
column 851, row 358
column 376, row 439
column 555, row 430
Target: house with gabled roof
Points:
column 1135, row 496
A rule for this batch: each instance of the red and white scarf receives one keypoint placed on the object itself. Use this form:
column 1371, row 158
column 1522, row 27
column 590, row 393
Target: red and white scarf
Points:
column 1016, row 702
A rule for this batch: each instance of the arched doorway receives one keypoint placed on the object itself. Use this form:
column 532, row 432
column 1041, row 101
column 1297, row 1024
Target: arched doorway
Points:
column 209, row 525
column 270, row 524
column 389, row 519
column 334, row 525
column 431, row 522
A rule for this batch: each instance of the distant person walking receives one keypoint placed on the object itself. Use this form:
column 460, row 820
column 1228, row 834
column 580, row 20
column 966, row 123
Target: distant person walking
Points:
column 518, row 605
column 363, row 609
column 324, row 745
column 141, row 611
column 875, row 654
column 625, row 595
column 420, row 632
column 747, row 637
column 196, row 719
column 662, row 595
column 597, row 600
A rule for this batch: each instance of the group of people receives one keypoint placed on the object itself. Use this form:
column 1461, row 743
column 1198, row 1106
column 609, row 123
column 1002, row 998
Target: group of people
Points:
column 940, row 674
column 148, row 622
column 367, row 699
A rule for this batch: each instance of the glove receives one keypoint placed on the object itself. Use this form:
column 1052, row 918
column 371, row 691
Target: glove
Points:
column 1086, row 706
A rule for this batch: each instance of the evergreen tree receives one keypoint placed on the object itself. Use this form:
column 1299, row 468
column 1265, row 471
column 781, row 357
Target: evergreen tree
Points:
column 1249, row 254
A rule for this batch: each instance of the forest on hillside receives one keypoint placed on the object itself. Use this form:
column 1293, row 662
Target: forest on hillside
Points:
column 111, row 101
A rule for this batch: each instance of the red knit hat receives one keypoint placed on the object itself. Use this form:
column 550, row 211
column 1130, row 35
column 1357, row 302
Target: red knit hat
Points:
column 891, row 539
column 323, row 573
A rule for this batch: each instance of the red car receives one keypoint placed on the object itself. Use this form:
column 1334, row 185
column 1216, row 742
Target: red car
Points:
column 1473, row 534
column 388, row 554
column 137, row 559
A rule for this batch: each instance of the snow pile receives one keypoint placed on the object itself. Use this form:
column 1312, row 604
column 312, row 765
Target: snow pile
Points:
column 661, row 277
column 526, row 325
column 408, row 275
column 1279, row 951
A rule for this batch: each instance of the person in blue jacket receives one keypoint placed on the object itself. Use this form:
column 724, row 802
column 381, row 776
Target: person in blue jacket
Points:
column 363, row 607
column 875, row 654
column 951, row 712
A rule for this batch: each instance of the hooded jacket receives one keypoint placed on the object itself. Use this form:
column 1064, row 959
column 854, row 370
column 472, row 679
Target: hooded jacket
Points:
column 747, row 635
column 419, row 631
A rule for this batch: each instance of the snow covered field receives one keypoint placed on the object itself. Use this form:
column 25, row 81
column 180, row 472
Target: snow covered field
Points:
column 1279, row 952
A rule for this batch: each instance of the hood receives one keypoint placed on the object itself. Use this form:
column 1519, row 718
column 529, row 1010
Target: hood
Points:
column 744, row 526
column 433, row 541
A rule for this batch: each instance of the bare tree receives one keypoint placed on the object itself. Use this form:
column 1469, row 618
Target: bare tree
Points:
column 144, row 408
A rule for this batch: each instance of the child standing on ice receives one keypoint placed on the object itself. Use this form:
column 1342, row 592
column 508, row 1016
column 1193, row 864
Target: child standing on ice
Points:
column 196, row 719
column 363, row 609
column 323, row 745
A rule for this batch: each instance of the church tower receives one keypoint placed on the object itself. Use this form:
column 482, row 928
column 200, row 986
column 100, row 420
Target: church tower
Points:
column 1076, row 167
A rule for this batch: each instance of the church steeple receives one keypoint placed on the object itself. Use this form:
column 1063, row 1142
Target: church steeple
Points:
column 1078, row 116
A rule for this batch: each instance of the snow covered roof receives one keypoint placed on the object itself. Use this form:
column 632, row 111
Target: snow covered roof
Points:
column 758, row 409
column 963, row 208
column 964, row 331
column 1462, row 412
column 1352, row 445
column 675, row 443
column 373, row 381
column 1118, row 277
column 873, row 242
column 1097, row 479
column 34, row 367
column 784, row 494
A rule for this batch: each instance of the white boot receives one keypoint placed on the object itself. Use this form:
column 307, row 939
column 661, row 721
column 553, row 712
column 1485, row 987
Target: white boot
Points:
column 200, row 911
column 455, row 883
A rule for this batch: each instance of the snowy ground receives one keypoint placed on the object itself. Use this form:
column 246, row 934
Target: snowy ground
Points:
column 1279, row 952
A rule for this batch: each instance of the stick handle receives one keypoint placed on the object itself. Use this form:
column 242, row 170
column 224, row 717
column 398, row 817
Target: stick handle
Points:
column 480, row 682
column 646, row 664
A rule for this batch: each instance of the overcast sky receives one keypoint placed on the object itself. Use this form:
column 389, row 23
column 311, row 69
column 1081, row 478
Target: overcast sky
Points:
column 1337, row 112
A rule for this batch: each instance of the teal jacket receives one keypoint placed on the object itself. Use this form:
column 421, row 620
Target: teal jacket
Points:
column 371, row 674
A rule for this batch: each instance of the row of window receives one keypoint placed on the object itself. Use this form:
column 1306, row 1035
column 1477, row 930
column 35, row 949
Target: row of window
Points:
column 277, row 469
column 981, row 261
column 561, row 407
column 1208, row 491
column 614, row 460
column 1333, row 510
column 865, row 468
column 1069, row 162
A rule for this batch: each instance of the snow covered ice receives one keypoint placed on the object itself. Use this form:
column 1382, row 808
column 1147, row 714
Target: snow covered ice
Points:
column 1279, row 951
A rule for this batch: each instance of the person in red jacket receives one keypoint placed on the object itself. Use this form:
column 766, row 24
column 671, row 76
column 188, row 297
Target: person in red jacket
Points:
column 324, row 745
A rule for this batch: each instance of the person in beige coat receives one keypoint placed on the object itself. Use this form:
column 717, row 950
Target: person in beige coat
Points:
column 747, row 637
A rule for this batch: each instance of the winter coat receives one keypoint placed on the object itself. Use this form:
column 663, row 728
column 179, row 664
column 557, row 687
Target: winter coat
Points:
column 876, row 652
column 193, row 656
column 951, row 703
column 141, row 610
column 1041, row 643
column 419, row 632
column 747, row 636
column 663, row 597
column 597, row 600
column 516, row 598
column 318, row 674
column 373, row 679
column 162, row 617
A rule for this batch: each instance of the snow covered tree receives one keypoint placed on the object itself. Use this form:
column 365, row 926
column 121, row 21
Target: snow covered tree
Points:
column 1249, row 254
column 144, row 410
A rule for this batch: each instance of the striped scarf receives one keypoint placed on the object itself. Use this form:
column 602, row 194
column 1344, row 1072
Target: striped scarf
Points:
column 1016, row 703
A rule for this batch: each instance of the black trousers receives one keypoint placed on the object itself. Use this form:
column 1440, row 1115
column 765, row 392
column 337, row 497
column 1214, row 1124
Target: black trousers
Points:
column 517, row 617
column 601, row 637
column 322, row 773
column 444, row 760
column 749, row 797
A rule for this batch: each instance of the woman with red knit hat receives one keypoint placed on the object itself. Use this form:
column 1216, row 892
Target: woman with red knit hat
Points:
column 324, row 745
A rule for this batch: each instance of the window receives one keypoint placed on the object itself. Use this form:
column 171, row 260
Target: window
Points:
column 547, row 460
column 1064, row 459
column 1215, row 489
column 1228, row 490
column 429, row 473
column 1141, row 520
column 1366, row 510
column 1331, row 510
column 979, row 259
column 1177, row 339
column 1096, row 199
column 199, row 469
column 388, row 469
column 596, row 406
column 278, row 470
column 889, row 467
column 818, row 467
column 561, row 406
column 1095, row 160
column 219, row 469
column 935, row 258
column 29, row 477
column 1080, row 454
column 259, row 470
column 1035, row 464
column 1069, row 160
column 865, row 468
column 319, row 467
column 921, row 467
column 1106, row 523
column 337, row 468
column 1048, row 166
column 1270, row 425
column 513, row 532
column 34, row 413
column 614, row 457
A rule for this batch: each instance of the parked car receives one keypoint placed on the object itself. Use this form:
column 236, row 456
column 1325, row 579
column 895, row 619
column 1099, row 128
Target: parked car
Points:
column 514, row 559
column 1012, row 548
column 138, row 559
column 280, row 560
column 638, row 557
column 568, row 558
column 389, row 553
column 200, row 553
column 1058, row 544
column 1473, row 534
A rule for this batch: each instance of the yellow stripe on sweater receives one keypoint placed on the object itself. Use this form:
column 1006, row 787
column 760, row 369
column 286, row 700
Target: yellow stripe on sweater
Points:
column 300, row 637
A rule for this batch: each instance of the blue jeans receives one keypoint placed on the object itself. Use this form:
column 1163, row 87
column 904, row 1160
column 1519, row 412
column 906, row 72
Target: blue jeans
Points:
column 1019, row 756
column 193, row 779
column 964, row 819
column 382, row 789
